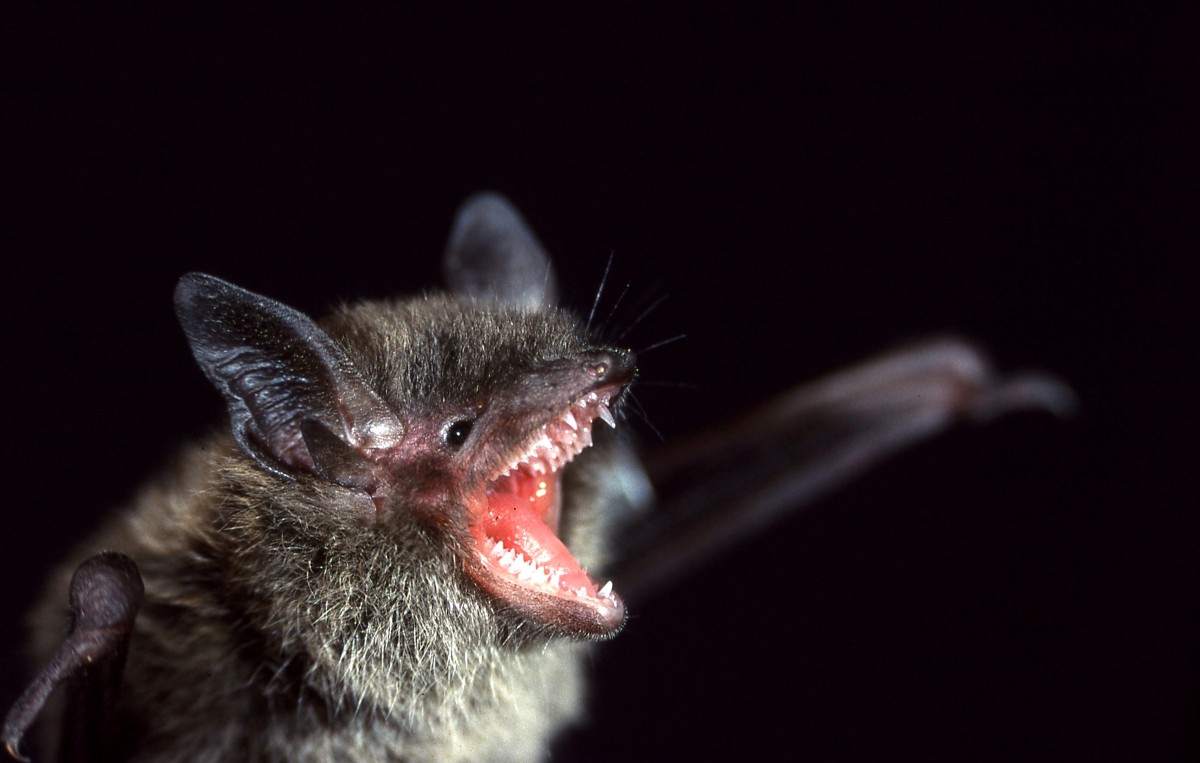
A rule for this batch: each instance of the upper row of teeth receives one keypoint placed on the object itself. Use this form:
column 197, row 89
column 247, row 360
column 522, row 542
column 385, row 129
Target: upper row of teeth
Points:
column 545, row 455
column 592, row 400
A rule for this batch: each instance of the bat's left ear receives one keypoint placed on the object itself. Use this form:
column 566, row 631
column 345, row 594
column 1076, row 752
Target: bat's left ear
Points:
column 296, row 401
column 493, row 256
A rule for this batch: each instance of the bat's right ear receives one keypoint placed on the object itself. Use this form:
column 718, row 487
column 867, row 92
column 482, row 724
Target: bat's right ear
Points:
column 293, row 393
column 493, row 256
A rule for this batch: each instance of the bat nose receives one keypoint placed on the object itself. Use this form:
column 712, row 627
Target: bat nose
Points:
column 611, row 366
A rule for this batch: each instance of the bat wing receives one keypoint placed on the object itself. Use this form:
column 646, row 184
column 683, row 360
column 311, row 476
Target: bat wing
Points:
column 105, row 594
column 728, row 482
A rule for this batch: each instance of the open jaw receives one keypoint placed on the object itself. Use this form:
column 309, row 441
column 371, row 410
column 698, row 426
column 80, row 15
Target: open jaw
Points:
column 520, row 559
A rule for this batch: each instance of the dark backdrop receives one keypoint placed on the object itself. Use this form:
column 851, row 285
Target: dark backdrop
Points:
column 806, row 188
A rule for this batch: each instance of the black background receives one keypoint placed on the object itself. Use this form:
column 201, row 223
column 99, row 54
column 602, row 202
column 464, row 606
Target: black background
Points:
column 806, row 188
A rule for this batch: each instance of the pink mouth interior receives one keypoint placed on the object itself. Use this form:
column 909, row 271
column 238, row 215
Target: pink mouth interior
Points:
column 522, row 514
column 521, row 557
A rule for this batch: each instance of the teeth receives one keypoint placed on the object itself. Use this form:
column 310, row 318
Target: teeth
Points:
column 556, row 443
column 605, row 415
column 548, row 449
column 529, row 572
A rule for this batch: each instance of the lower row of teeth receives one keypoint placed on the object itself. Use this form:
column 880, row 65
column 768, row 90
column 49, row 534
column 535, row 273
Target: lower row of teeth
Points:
column 527, row 572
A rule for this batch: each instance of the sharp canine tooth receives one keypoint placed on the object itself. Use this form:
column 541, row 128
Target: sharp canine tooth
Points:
column 605, row 415
column 546, row 453
column 607, row 589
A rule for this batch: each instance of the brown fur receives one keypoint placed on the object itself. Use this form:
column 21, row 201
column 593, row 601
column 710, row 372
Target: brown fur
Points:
column 278, row 625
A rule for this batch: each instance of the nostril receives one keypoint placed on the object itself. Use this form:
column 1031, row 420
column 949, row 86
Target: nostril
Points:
column 598, row 369
column 609, row 365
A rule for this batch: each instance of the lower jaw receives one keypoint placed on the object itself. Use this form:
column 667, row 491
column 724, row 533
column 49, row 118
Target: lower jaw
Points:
column 568, row 603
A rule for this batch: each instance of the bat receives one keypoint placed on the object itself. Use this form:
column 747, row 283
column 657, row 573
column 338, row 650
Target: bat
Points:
column 422, row 517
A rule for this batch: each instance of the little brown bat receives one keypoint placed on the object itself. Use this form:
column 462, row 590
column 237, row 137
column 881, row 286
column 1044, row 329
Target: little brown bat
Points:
column 401, row 548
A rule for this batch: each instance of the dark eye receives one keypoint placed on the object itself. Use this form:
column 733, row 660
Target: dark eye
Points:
column 458, row 432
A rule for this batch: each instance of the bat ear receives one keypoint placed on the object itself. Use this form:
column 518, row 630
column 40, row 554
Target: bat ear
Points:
column 282, row 376
column 493, row 256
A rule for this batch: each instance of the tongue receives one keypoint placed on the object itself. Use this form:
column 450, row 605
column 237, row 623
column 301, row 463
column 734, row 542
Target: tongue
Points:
column 517, row 522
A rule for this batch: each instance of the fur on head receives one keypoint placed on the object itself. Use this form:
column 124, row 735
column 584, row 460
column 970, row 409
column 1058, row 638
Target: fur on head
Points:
column 400, row 505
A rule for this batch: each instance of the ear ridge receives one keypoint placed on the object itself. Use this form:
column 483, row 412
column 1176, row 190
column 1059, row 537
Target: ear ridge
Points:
column 275, row 368
column 333, row 459
column 492, row 255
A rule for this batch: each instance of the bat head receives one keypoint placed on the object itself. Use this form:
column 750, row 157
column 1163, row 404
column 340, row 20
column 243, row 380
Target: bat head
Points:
column 444, row 428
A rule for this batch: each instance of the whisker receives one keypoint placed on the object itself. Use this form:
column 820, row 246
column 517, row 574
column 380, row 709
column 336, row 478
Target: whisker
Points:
column 613, row 310
column 662, row 343
column 599, row 291
column 636, row 407
column 547, row 275
column 653, row 306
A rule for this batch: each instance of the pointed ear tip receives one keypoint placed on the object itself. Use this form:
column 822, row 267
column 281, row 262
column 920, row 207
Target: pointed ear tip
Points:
column 486, row 201
column 486, row 195
column 189, row 287
column 185, row 289
column 195, row 283
column 193, row 280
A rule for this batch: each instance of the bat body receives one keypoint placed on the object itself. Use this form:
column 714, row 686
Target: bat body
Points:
column 386, row 556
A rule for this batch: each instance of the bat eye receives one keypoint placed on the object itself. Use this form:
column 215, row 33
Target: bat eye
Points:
column 458, row 432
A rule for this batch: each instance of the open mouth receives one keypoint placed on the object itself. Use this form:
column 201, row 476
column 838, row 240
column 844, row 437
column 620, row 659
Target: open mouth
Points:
column 521, row 559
